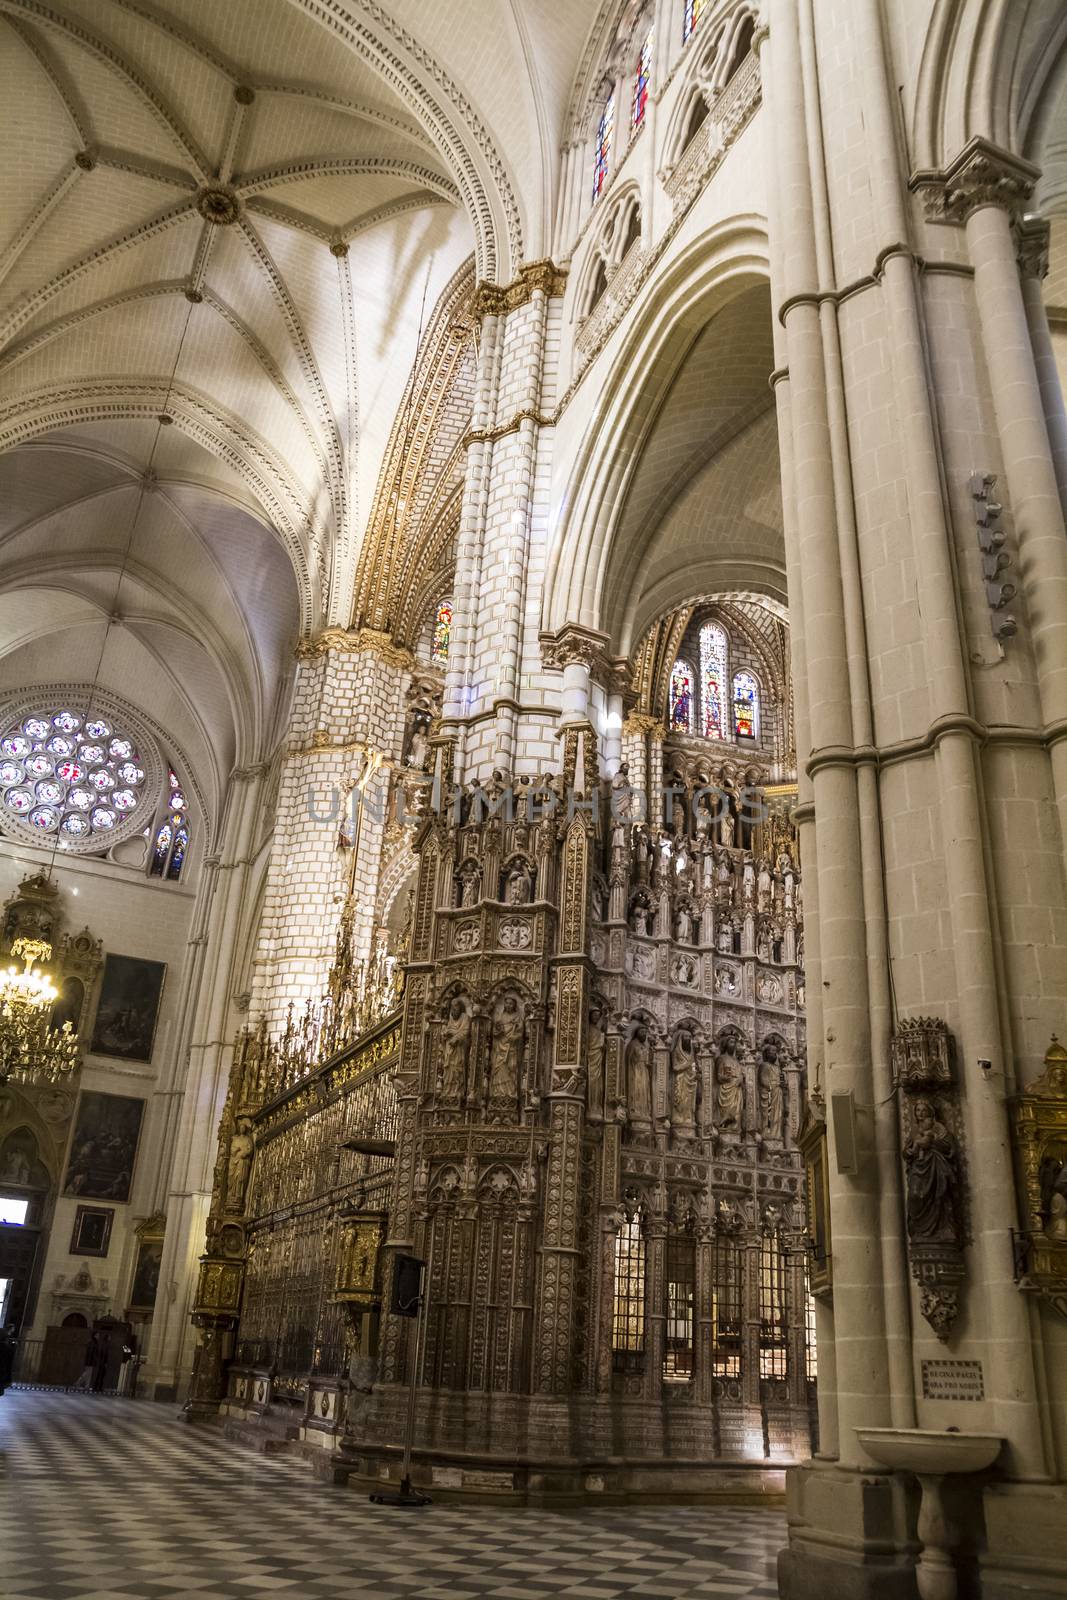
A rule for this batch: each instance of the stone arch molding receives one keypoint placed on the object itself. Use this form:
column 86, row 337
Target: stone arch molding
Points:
column 271, row 485
column 988, row 68
column 700, row 282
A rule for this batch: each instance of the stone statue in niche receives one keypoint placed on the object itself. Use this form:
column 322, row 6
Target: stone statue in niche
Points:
column 596, row 1044
column 505, row 1050
column 517, row 887
column 683, row 926
column 639, row 1075
column 419, row 748
column 622, row 795
column 640, row 920
column 683, row 1081
column 470, row 883
column 730, row 1095
column 643, row 852
column 724, row 938
column 931, row 1161
column 457, row 1040
column 771, row 1097
column 763, row 885
column 1053, row 1180
column 726, row 826
column 238, row 1163
column 678, row 819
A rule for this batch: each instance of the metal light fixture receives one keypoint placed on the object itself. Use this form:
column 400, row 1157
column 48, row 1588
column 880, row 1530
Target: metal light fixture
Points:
column 32, row 1051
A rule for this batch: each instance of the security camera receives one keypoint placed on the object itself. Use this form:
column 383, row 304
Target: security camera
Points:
column 986, row 1066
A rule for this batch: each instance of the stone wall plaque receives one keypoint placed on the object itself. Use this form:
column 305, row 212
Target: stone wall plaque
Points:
column 953, row 1380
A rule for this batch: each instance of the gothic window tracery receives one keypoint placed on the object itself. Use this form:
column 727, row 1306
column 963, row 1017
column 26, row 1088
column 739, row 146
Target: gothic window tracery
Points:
column 70, row 775
column 171, row 840
column 602, row 148
column 712, row 679
column 641, row 80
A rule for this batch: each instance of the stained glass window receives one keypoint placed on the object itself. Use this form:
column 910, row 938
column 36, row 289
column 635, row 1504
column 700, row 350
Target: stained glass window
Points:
column 746, row 706
column 644, row 72
column 602, row 152
column 172, row 834
column 713, row 678
column 628, row 1309
column 442, row 634
column 68, row 775
column 693, row 8
column 682, row 697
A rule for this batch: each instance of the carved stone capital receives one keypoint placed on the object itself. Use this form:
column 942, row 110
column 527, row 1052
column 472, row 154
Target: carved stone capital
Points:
column 493, row 299
column 576, row 644
column 639, row 722
column 1033, row 240
column 981, row 175
column 350, row 641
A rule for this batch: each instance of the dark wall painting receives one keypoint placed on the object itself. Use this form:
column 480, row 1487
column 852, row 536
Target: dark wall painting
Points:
column 146, row 1275
column 128, row 1008
column 104, row 1146
column 92, row 1231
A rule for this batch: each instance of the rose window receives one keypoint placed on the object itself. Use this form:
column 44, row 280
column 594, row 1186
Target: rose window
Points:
column 71, row 778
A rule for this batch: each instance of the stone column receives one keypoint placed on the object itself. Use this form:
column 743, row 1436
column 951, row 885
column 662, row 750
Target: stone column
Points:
column 1033, row 238
column 862, row 1356
column 171, row 1342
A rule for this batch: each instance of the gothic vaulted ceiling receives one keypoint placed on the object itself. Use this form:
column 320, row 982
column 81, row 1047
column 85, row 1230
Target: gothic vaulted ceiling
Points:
column 236, row 216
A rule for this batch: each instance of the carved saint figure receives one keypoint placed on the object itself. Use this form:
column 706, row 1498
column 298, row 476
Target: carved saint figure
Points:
column 639, row 1075
column 640, row 919
column 238, row 1161
column 642, row 854
column 763, row 885
column 726, row 827
column 469, row 884
column 517, row 892
column 683, row 1080
column 621, row 794
column 730, row 1095
column 457, row 1039
column 930, row 1158
column 505, row 1053
column 594, row 1052
column 771, row 1098
column 683, row 926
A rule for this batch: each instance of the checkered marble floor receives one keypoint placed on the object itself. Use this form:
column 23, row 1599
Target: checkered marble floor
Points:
column 102, row 1498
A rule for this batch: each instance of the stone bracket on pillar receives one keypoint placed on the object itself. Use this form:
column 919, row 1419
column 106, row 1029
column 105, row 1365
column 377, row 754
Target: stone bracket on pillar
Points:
column 933, row 1166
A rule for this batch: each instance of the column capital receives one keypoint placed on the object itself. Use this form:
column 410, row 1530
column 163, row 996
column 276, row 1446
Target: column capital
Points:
column 1033, row 247
column 982, row 174
column 576, row 645
column 495, row 300
column 353, row 641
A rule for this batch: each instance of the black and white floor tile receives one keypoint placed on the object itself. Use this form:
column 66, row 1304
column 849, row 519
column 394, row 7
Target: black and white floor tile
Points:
column 103, row 1498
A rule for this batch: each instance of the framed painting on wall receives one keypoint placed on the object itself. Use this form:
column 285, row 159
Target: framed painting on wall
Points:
column 128, row 1008
column 92, row 1231
column 104, row 1146
column 146, row 1273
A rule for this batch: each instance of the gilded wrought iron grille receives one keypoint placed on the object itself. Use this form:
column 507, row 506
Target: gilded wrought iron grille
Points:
column 773, row 1311
column 680, row 1291
column 628, row 1308
column 727, row 1308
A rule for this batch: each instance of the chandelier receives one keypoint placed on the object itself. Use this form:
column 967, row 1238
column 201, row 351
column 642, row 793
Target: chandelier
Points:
column 32, row 1051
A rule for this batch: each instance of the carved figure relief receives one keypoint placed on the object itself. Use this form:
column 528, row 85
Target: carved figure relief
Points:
column 238, row 1163
column 730, row 1094
column 639, row 1075
column 771, row 1096
column 506, row 1049
column 931, row 1158
column 683, row 1081
column 457, row 1040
